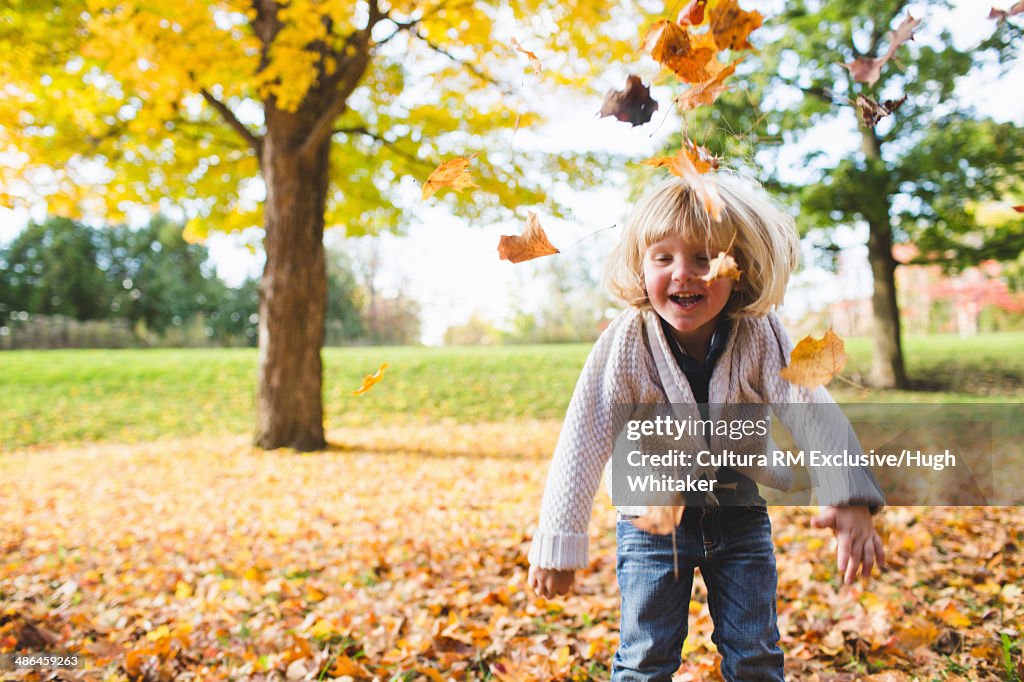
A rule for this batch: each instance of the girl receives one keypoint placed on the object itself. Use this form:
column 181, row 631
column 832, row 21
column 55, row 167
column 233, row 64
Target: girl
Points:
column 684, row 340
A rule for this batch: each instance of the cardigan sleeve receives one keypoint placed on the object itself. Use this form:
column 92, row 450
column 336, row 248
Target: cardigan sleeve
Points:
column 823, row 427
column 609, row 377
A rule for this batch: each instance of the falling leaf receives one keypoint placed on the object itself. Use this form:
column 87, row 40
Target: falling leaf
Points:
column 873, row 112
column 454, row 174
column 691, row 56
column 195, row 231
column 682, row 165
column 370, row 380
column 814, row 362
column 867, row 69
column 533, row 243
column 660, row 520
column 1002, row 15
column 707, row 91
column 701, row 158
column 722, row 265
column 1019, row 209
column 534, row 60
column 633, row 105
column 732, row 26
column 693, row 13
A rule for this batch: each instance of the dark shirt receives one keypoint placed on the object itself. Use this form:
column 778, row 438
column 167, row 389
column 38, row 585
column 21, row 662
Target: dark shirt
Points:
column 736, row 489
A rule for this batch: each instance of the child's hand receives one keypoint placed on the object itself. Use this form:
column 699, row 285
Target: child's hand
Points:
column 548, row 582
column 859, row 544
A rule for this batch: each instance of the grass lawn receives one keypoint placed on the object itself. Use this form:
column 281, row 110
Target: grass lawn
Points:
column 50, row 397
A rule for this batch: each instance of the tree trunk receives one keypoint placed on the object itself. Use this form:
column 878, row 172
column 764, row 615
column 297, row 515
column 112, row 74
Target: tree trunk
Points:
column 887, row 360
column 293, row 290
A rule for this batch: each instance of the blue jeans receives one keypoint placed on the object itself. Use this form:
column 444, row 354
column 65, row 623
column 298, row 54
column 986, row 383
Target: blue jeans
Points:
column 732, row 546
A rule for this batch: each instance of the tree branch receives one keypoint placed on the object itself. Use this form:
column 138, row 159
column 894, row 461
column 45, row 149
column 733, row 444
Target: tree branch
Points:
column 352, row 70
column 487, row 78
column 254, row 141
column 390, row 144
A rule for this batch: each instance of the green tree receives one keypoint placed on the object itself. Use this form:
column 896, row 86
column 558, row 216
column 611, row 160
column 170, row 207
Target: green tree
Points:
column 919, row 175
column 321, row 108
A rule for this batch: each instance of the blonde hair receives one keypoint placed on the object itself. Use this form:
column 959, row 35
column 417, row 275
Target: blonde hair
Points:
column 763, row 237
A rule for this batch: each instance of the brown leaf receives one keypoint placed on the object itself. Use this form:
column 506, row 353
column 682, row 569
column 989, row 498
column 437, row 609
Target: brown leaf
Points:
column 454, row 174
column 371, row 380
column 872, row 112
column 534, row 60
column 707, row 91
column 633, row 105
column 533, row 243
column 1002, row 15
column 868, row 70
column 660, row 520
column 814, row 362
column 691, row 56
column 692, row 14
column 732, row 26
column 722, row 265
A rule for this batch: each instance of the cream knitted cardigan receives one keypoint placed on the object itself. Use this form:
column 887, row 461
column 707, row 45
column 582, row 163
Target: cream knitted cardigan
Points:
column 633, row 363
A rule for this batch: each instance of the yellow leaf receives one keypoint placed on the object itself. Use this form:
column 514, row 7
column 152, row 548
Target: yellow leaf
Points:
column 162, row 632
column 722, row 265
column 953, row 617
column 454, row 174
column 814, row 362
column 182, row 590
column 533, row 243
column 370, row 380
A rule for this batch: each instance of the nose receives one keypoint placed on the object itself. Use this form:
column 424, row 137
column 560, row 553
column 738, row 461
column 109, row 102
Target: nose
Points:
column 684, row 270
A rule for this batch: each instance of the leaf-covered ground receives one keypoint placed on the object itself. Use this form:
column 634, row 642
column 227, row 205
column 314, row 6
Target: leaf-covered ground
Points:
column 400, row 554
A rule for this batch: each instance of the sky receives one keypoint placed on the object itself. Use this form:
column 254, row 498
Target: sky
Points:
column 452, row 269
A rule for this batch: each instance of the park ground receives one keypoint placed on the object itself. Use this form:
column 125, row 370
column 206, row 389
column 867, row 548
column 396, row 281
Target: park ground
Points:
column 140, row 529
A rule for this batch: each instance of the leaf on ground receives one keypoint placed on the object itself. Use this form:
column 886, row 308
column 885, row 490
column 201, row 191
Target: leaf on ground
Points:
column 867, row 69
column 633, row 105
column 533, row 243
column 722, row 265
column 691, row 56
column 660, row 520
column 692, row 14
column 371, row 380
column 453, row 174
column 814, row 362
column 706, row 92
column 534, row 60
column 732, row 26
column 872, row 112
column 1002, row 15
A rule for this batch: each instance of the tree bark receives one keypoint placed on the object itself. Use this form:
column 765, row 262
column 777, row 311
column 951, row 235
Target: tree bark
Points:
column 887, row 369
column 293, row 289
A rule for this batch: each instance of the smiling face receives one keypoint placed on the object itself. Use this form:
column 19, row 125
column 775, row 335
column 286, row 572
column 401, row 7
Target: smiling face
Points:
column 673, row 267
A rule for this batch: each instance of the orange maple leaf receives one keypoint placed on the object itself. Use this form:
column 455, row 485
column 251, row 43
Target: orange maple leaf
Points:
column 683, row 166
column 371, row 380
column 732, row 26
column 534, row 60
column 707, row 91
column 660, row 520
column 722, row 265
column 692, row 14
column 701, row 158
column 533, row 243
column 454, row 174
column 814, row 362
column 867, row 69
column 691, row 56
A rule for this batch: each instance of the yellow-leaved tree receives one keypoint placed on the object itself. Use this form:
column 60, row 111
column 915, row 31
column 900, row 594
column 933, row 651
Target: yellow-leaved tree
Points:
column 292, row 115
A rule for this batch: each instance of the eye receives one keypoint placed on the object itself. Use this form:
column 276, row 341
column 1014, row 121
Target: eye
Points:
column 702, row 259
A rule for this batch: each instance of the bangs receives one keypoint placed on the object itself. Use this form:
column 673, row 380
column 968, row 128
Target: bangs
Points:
column 676, row 211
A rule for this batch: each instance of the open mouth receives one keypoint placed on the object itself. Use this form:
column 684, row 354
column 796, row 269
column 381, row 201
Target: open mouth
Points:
column 686, row 300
